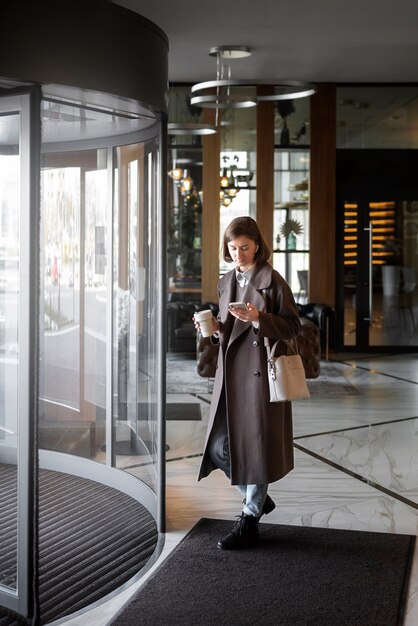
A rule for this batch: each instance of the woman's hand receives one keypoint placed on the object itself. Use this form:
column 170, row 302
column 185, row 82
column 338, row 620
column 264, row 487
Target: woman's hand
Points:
column 215, row 325
column 250, row 314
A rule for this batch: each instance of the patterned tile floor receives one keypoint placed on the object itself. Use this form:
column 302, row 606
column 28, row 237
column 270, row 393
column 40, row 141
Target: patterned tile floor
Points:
column 356, row 466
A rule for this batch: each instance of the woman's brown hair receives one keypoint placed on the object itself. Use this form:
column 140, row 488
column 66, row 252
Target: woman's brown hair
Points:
column 247, row 227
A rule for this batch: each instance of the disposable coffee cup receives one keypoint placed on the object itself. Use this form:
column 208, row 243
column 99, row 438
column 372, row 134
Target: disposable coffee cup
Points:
column 205, row 320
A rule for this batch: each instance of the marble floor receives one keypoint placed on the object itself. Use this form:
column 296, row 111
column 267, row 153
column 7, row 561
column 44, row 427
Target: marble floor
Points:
column 356, row 466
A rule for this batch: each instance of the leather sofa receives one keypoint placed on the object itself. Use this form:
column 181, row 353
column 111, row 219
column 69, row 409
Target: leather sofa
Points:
column 181, row 333
column 317, row 334
column 309, row 348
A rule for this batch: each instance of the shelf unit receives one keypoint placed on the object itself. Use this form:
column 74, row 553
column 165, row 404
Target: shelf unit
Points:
column 184, row 236
column 291, row 202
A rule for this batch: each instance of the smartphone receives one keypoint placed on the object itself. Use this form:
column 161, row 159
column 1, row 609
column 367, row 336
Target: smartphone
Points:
column 238, row 305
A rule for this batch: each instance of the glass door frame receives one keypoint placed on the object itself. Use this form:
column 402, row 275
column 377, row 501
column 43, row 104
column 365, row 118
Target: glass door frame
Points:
column 26, row 102
column 362, row 197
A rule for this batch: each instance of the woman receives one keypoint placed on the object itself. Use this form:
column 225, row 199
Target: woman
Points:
column 248, row 437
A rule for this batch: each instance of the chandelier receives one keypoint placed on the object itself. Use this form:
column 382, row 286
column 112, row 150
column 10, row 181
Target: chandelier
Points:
column 232, row 179
column 226, row 93
column 228, row 186
column 183, row 181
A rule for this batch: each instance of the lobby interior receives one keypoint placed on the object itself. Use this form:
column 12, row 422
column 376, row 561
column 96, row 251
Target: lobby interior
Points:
column 345, row 172
column 353, row 469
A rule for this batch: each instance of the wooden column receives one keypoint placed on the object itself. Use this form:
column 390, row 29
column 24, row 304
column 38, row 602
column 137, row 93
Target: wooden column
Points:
column 265, row 164
column 322, row 240
column 210, row 211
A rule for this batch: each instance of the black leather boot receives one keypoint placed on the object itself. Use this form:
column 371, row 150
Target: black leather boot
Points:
column 268, row 506
column 243, row 535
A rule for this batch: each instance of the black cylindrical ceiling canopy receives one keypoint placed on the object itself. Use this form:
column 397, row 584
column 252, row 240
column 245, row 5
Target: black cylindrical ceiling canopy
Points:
column 89, row 44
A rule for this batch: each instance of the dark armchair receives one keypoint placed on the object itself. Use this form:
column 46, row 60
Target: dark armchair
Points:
column 181, row 333
column 323, row 317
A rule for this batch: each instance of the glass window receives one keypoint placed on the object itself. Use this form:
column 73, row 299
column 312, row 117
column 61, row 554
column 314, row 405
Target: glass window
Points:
column 291, row 218
column 237, row 176
column 377, row 117
column 291, row 194
column 292, row 123
column 185, row 198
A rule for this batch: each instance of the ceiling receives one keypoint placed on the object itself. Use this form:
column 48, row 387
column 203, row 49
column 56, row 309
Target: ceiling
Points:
column 311, row 40
column 343, row 41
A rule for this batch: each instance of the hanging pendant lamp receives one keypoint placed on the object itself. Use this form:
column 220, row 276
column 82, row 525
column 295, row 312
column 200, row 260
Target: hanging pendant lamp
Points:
column 203, row 93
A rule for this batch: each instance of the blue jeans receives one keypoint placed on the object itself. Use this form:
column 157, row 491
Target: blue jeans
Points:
column 254, row 495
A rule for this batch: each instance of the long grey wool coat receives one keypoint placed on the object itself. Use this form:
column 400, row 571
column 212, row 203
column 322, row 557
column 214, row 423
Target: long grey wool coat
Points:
column 260, row 432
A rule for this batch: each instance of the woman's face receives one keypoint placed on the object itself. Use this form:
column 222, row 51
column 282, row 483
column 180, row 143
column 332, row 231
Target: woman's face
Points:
column 242, row 251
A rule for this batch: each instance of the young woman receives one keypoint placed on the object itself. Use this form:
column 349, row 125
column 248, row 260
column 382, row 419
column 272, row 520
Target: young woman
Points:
column 248, row 437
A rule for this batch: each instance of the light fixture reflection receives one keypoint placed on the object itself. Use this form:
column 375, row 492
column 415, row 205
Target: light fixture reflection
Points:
column 224, row 182
column 191, row 128
column 176, row 173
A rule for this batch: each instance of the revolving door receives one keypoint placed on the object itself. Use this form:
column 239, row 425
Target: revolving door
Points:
column 82, row 281
column 90, row 272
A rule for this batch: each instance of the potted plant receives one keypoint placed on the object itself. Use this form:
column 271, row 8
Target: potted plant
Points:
column 290, row 229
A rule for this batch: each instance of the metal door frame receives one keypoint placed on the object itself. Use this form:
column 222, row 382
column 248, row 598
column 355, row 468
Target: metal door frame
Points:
column 26, row 102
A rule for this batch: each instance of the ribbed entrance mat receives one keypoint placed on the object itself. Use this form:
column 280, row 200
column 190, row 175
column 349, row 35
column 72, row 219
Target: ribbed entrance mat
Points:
column 92, row 539
column 295, row 576
column 183, row 411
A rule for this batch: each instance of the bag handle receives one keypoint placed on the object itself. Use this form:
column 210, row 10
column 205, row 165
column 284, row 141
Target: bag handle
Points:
column 288, row 342
column 270, row 354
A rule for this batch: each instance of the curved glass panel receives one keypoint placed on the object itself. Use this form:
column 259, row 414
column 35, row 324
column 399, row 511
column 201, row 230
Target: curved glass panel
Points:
column 73, row 375
column 137, row 302
column 86, row 248
column 103, row 116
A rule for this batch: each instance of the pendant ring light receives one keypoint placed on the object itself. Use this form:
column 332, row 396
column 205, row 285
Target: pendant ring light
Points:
column 224, row 99
column 190, row 128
